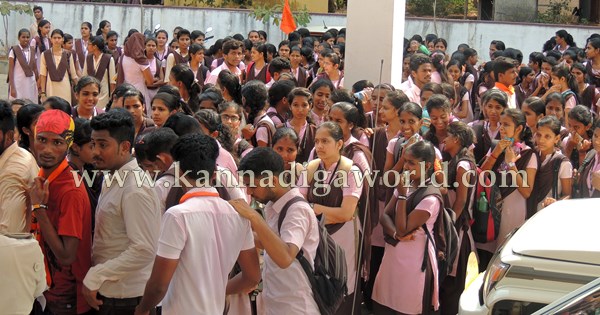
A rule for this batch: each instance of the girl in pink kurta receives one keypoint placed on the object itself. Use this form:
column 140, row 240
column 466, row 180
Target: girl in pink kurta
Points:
column 401, row 286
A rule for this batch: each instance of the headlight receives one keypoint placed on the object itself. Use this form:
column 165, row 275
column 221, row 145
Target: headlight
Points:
column 495, row 272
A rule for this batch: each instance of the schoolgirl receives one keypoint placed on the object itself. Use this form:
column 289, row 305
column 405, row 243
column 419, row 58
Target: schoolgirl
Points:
column 461, row 177
column 389, row 111
column 321, row 90
column 576, row 145
column 588, row 176
column 300, row 100
column 565, row 83
column 258, row 69
column 401, row 285
column 57, row 70
column 87, row 93
column 232, row 116
column 41, row 41
column 534, row 110
column 134, row 103
column 554, row 177
column 211, row 125
column 22, row 70
column 513, row 153
column 81, row 44
column 494, row 102
column 589, row 95
column 100, row 65
column 164, row 105
column 337, row 207
column 196, row 53
column 155, row 66
column 183, row 78
column 298, row 71
column 285, row 143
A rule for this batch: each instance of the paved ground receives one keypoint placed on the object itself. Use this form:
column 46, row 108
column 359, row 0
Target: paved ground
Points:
column 3, row 87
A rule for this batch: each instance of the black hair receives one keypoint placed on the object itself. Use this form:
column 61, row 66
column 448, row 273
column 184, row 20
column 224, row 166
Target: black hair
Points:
column 213, row 95
column 554, row 54
column 256, row 95
column 196, row 153
column 85, row 81
column 279, row 64
column 501, row 65
column 571, row 53
column 353, row 114
column 437, row 61
column 212, row 121
column 57, row 31
column 231, row 82
column 361, row 85
column 284, row 42
column 304, row 32
column 238, row 108
column 551, row 122
column 88, row 24
column 496, row 95
column 436, row 102
column 307, row 52
column 280, row 90
column 519, row 119
column 335, row 131
column 171, row 102
column 555, row 96
column 67, row 38
column 271, row 49
column 441, row 40
column 462, row 47
column 397, row 98
column 321, row 83
column 412, row 108
column 101, row 26
column 182, row 124
column 469, row 52
column 294, row 36
column 157, row 141
column 579, row 66
column 449, row 92
column 238, row 36
column 232, row 45
column 183, row 32
column 170, row 90
column 195, row 34
column 537, row 57
column 41, row 24
column 119, row 91
column 83, row 131
column 7, row 120
column 430, row 38
column 119, row 124
column 465, row 136
column 342, row 95
column 523, row 72
column 98, row 41
column 563, row 71
column 260, row 160
column 263, row 34
column 286, row 132
column 567, row 37
column 111, row 34
column 536, row 105
column 57, row 102
column 25, row 117
column 499, row 44
column 37, row 7
column 417, row 60
column 582, row 114
column 514, row 54
column 261, row 48
column 23, row 30
column 164, row 32
column 424, row 151
column 433, row 87
column 185, row 75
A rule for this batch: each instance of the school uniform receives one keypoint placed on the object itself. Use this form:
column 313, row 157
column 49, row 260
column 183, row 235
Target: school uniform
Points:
column 36, row 44
column 584, row 184
column 411, row 90
column 261, row 75
column 277, row 119
column 133, row 73
column 401, row 284
column 80, row 47
column 484, row 137
column 544, row 178
column 104, row 70
column 265, row 129
column 200, row 74
column 199, row 282
column 214, row 75
column 59, row 71
column 174, row 59
column 289, row 289
column 302, row 77
column 25, row 73
column 344, row 234
column 306, row 140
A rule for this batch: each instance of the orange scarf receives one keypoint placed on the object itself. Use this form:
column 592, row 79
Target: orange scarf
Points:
column 197, row 194
column 510, row 90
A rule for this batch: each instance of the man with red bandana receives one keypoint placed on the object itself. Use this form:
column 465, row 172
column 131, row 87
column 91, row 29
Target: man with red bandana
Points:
column 61, row 216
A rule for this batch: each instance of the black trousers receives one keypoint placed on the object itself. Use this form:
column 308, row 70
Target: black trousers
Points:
column 376, row 258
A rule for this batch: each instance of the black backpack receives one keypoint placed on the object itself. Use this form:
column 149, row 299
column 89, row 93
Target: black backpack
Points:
column 328, row 279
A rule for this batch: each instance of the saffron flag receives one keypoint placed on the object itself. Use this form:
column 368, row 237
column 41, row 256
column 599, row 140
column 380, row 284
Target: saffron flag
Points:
column 288, row 24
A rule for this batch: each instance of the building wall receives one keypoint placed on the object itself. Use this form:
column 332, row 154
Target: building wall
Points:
column 515, row 10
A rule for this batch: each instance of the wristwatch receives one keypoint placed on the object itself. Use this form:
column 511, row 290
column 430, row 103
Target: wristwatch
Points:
column 39, row 206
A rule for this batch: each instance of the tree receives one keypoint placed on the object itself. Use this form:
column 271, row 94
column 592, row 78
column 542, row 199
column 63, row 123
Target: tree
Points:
column 6, row 9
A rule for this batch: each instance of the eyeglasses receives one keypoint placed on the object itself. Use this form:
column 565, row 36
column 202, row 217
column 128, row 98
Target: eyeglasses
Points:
column 225, row 117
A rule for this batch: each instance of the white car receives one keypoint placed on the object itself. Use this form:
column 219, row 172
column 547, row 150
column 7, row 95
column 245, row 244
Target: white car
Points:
column 553, row 253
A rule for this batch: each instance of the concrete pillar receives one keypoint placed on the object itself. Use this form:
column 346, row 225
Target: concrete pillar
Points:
column 375, row 31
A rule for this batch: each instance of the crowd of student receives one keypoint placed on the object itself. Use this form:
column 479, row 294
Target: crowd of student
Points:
column 248, row 105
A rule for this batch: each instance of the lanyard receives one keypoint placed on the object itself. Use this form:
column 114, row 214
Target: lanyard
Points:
column 197, row 194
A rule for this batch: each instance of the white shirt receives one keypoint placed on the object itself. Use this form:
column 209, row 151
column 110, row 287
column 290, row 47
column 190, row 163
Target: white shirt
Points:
column 411, row 90
column 214, row 75
column 127, row 229
column 289, row 288
column 206, row 235
column 24, row 274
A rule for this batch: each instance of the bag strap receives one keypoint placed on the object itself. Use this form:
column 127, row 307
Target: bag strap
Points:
column 555, row 179
column 429, row 237
column 285, row 208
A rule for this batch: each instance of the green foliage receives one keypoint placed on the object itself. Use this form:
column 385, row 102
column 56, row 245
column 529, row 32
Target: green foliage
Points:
column 6, row 8
column 265, row 13
column 443, row 7
column 557, row 13
column 199, row 3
